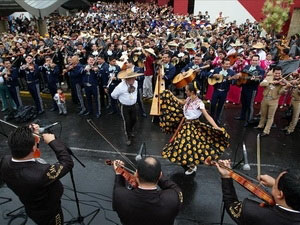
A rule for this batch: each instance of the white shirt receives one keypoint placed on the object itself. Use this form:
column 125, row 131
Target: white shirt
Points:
column 121, row 93
column 192, row 109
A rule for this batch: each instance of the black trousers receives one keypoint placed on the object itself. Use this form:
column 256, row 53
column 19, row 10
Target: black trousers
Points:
column 219, row 97
column 247, row 99
column 129, row 117
column 57, row 219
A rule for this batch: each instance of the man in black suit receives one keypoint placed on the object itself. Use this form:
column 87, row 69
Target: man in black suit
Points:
column 285, row 192
column 145, row 204
column 36, row 183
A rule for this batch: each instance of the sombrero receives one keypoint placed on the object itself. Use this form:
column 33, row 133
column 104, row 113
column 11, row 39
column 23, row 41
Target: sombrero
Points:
column 190, row 45
column 151, row 51
column 125, row 74
column 173, row 44
column 258, row 45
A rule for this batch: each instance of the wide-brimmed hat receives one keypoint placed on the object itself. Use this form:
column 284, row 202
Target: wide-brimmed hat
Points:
column 151, row 51
column 125, row 74
column 258, row 45
column 236, row 44
column 189, row 45
column 173, row 44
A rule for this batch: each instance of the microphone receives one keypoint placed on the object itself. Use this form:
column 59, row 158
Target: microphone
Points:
column 246, row 166
column 139, row 153
column 43, row 129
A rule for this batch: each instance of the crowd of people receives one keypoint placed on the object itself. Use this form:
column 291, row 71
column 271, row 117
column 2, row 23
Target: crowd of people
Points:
column 111, row 57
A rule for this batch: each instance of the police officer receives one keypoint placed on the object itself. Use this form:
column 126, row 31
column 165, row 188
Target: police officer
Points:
column 220, row 89
column 30, row 72
column 12, row 83
column 51, row 71
column 91, row 86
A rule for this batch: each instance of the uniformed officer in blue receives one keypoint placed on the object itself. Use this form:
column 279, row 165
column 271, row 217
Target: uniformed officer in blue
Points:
column 103, row 74
column 30, row 72
column 220, row 89
column 51, row 71
column 75, row 73
column 12, row 83
column 90, row 81
column 112, row 82
column 169, row 69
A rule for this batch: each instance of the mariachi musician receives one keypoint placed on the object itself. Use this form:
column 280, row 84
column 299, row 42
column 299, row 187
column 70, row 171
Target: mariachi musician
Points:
column 30, row 72
column 249, row 89
column 285, row 193
column 169, row 69
column 12, row 83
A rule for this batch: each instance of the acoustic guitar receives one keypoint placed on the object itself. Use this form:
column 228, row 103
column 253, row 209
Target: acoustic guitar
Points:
column 247, row 76
column 213, row 80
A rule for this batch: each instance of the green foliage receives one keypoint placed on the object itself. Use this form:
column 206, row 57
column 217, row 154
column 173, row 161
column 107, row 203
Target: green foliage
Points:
column 276, row 14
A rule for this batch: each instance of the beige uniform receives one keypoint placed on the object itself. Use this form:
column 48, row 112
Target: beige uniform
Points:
column 296, row 109
column 269, row 103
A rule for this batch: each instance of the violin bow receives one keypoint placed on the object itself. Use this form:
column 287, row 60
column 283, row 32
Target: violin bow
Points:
column 258, row 156
column 94, row 126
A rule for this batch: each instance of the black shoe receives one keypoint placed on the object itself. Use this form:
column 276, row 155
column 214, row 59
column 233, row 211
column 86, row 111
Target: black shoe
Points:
column 53, row 109
column 81, row 112
column 98, row 115
column 41, row 112
column 87, row 113
column 263, row 134
column 238, row 118
column 144, row 115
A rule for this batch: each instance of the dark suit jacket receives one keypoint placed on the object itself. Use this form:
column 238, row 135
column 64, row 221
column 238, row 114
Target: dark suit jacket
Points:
column 249, row 212
column 147, row 207
column 37, row 185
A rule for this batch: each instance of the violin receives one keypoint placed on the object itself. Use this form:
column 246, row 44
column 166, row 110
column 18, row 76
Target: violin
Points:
column 126, row 173
column 253, row 188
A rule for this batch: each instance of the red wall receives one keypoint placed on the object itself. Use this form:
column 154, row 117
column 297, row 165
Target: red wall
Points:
column 181, row 6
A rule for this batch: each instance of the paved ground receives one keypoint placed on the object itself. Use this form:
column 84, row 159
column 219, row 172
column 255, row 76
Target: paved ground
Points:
column 202, row 193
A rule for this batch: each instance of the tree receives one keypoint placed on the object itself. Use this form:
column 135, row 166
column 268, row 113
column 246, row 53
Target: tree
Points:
column 276, row 14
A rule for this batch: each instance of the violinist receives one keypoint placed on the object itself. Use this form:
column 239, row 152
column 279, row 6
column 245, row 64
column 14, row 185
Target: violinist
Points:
column 274, row 87
column 146, row 204
column 294, row 87
column 90, row 78
column 30, row 72
column 36, row 184
column 285, row 193
column 51, row 71
column 11, row 81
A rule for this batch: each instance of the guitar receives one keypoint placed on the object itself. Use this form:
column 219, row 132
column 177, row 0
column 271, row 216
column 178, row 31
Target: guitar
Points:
column 246, row 76
column 213, row 80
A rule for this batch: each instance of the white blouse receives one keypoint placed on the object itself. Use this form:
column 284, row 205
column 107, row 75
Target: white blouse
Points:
column 192, row 108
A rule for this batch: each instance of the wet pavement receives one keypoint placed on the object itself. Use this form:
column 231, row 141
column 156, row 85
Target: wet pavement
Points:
column 202, row 192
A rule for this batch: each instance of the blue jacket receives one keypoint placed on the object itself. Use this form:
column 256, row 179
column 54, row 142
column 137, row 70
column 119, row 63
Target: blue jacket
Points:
column 104, row 73
column 51, row 73
column 114, row 72
column 225, row 85
column 139, row 79
column 31, row 76
column 76, row 74
column 90, row 78
column 12, row 80
column 169, row 72
column 253, row 84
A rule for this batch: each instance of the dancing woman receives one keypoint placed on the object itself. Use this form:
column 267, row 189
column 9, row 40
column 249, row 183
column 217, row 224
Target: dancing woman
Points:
column 194, row 141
